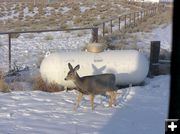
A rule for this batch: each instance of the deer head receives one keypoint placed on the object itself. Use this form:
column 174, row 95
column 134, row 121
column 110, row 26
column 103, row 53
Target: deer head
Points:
column 72, row 74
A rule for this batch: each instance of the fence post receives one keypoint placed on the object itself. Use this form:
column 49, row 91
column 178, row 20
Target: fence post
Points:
column 111, row 25
column 95, row 34
column 151, row 12
column 137, row 16
column 154, row 58
column 141, row 16
column 103, row 29
column 144, row 14
column 119, row 24
column 125, row 21
column 134, row 18
column 130, row 19
column 9, row 37
column 155, row 11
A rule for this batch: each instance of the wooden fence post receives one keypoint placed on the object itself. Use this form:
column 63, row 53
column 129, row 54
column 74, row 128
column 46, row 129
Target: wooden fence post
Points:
column 130, row 19
column 134, row 18
column 137, row 16
column 119, row 24
column 141, row 15
column 144, row 13
column 150, row 12
column 154, row 58
column 103, row 29
column 95, row 34
column 9, row 37
column 125, row 21
column 111, row 25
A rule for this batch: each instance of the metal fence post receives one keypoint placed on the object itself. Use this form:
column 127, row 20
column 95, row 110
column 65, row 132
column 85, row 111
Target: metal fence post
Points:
column 95, row 34
column 154, row 58
column 9, row 37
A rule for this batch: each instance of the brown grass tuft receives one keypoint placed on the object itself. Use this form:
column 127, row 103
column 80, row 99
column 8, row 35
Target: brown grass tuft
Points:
column 48, row 37
column 4, row 87
column 40, row 84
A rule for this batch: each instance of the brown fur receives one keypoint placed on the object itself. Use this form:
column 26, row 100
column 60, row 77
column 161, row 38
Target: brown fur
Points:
column 93, row 85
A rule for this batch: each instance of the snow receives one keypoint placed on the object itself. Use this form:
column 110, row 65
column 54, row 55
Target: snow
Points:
column 147, row 110
column 11, row 16
column 163, row 33
column 83, row 8
column 65, row 10
column 140, row 109
column 36, row 45
column 28, row 13
column 48, row 11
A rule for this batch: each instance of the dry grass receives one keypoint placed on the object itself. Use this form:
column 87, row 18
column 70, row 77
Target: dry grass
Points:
column 40, row 84
column 30, row 36
column 48, row 37
column 15, row 35
column 121, row 40
column 4, row 87
column 101, row 9
column 78, row 20
column 152, row 22
column 64, row 26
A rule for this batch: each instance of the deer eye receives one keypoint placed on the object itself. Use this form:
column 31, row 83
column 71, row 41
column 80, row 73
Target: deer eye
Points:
column 70, row 74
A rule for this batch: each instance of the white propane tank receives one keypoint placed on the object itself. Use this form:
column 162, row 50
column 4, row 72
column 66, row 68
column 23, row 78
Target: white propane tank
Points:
column 129, row 66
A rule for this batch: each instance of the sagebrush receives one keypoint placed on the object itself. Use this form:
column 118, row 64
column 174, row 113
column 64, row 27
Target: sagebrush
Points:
column 40, row 84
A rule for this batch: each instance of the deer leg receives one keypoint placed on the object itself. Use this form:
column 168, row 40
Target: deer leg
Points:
column 79, row 98
column 92, row 101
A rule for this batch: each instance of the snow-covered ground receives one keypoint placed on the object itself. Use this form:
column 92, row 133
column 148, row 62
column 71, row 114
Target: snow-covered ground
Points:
column 140, row 109
column 163, row 34
column 27, row 49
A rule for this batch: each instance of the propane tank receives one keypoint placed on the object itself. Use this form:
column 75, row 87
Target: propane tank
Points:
column 129, row 66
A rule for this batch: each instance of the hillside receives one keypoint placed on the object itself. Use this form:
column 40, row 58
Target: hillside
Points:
column 71, row 13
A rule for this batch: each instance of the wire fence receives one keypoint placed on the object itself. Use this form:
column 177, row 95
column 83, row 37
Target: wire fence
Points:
column 38, row 45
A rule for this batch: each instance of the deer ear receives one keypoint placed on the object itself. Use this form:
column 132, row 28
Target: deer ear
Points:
column 77, row 68
column 70, row 66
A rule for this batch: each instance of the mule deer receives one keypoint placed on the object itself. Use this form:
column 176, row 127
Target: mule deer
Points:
column 93, row 85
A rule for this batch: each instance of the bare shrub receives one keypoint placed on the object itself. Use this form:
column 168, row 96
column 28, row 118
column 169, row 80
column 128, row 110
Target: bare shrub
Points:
column 80, row 33
column 15, row 35
column 64, row 26
column 30, row 36
column 40, row 84
column 4, row 86
column 78, row 20
column 48, row 37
